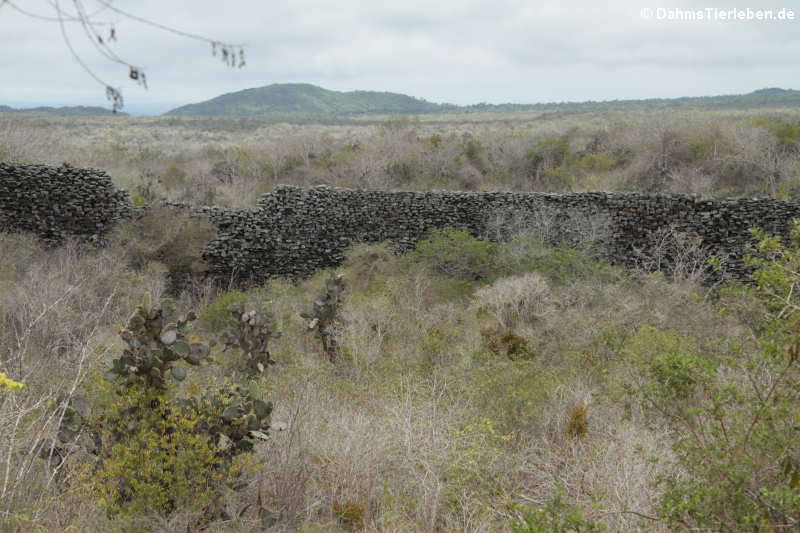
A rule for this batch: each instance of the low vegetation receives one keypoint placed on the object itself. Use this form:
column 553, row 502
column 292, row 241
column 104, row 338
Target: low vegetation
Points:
column 230, row 161
column 465, row 385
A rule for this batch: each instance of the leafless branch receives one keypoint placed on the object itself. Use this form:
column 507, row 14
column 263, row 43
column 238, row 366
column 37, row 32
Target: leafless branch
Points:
column 230, row 53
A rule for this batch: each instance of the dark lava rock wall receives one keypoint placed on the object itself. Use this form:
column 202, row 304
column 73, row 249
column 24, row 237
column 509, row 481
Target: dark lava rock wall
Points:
column 294, row 231
column 56, row 202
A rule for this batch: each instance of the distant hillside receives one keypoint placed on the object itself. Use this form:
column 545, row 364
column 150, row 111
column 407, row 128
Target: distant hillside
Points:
column 759, row 98
column 307, row 99
column 70, row 111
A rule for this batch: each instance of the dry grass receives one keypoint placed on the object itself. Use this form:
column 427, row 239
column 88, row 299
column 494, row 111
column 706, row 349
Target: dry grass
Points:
column 58, row 310
column 230, row 163
column 420, row 427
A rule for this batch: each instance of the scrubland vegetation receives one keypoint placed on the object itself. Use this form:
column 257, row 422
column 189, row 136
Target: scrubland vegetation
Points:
column 464, row 386
column 230, row 161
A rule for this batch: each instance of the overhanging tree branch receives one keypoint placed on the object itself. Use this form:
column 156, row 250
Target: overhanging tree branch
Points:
column 231, row 54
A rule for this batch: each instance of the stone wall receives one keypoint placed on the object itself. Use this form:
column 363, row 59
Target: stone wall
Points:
column 295, row 231
column 56, row 202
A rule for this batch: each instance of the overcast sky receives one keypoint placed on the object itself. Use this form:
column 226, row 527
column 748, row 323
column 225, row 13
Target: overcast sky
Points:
column 457, row 51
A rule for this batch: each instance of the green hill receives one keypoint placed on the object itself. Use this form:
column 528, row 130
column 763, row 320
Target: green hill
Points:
column 759, row 98
column 304, row 99
column 307, row 99
column 68, row 111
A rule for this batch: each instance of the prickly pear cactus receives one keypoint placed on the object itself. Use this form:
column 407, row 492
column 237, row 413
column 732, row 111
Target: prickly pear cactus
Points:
column 325, row 313
column 156, row 340
column 139, row 407
column 232, row 417
column 250, row 332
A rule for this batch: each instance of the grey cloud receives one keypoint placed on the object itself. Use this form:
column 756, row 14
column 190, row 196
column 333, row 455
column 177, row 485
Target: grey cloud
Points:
column 456, row 51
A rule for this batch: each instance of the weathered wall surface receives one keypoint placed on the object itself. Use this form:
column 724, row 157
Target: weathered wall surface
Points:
column 295, row 231
column 56, row 202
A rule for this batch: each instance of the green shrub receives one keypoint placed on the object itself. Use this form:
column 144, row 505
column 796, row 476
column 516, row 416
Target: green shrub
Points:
column 775, row 276
column 473, row 150
column 556, row 178
column 156, row 456
column 437, row 344
column 476, row 459
column 511, row 393
column 456, row 254
column 565, row 265
column 674, row 369
column 597, row 162
column 156, row 463
column 401, row 170
column 215, row 315
column 545, row 155
column 9, row 384
column 735, row 412
column 702, row 149
column 174, row 177
column 788, row 135
column 556, row 516
column 367, row 265
column 153, row 453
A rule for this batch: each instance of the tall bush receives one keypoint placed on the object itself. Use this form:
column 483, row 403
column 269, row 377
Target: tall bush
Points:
column 734, row 414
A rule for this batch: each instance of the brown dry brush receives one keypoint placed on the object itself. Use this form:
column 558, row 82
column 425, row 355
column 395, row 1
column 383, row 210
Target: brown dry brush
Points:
column 231, row 163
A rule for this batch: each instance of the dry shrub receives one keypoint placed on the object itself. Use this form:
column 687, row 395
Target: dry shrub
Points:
column 502, row 341
column 695, row 181
column 551, row 225
column 365, row 261
column 167, row 236
column 349, row 467
column 58, row 310
column 30, row 140
column 365, row 326
column 733, row 152
column 681, row 256
column 514, row 300
column 577, row 423
column 52, row 298
column 614, row 470
column 422, row 417
column 607, row 470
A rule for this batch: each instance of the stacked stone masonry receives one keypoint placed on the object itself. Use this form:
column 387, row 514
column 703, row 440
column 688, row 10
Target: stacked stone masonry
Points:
column 294, row 231
column 57, row 202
